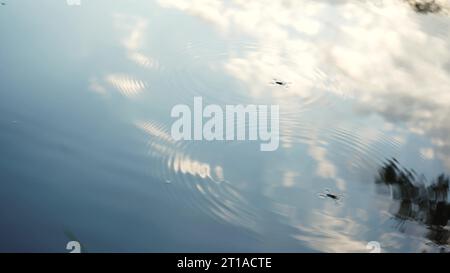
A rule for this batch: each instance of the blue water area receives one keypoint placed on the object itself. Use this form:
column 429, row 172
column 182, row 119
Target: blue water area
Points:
column 87, row 153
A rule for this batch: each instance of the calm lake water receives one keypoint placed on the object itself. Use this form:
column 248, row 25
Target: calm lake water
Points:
column 86, row 152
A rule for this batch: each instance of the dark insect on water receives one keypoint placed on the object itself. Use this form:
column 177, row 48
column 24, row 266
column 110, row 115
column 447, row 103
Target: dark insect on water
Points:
column 280, row 82
column 334, row 196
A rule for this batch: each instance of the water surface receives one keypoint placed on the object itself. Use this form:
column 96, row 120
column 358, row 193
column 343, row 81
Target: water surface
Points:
column 86, row 153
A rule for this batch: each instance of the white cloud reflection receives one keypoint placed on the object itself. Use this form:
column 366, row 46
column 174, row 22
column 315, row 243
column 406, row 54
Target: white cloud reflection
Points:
column 385, row 57
column 390, row 61
column 330, row 233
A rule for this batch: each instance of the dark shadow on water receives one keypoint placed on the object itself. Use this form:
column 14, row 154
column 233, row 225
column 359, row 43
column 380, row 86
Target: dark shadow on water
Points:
column 419, row 200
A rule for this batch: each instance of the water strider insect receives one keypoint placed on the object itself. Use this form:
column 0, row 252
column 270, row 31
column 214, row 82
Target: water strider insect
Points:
column 334, row 196
column 280, row 82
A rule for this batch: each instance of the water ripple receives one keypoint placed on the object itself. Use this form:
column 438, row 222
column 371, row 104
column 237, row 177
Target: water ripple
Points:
column 127, row 85
column 198, row 184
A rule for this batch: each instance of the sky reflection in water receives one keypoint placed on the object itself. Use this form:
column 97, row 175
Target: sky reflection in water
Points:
column 85, row 125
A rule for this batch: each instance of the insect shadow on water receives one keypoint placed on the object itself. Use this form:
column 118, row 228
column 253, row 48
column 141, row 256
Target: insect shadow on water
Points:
column 337, row 197
column 279, row 82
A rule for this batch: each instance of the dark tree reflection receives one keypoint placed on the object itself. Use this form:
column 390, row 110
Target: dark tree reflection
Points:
column 419, row 200
column 425, row 6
